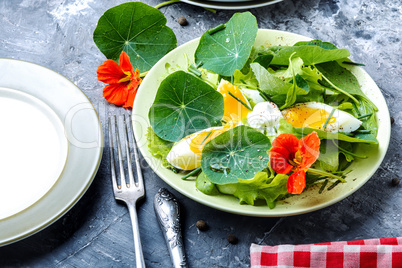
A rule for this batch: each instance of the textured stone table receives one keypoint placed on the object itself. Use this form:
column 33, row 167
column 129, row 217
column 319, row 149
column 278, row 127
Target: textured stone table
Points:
column 58, row 34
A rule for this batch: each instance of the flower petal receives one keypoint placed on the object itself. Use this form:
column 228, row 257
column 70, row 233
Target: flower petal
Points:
column 278, row 160
column 125, row 64
column 116, row 94
column 110, row 72
column 287, row 141
column 283, row 149
column 130, row 99
column 310, row 149
column 296, row 182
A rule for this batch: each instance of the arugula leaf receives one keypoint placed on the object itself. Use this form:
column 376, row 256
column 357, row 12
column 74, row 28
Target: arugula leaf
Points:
column 369, row 123
column 259, row 187
column 285, row 127
column 282, row 90
column 269, row 83
column 293, row 71
column 184, row 104
column 342, row 78
column 264, row 60
column 139, row 30
column 316, row 42
column 309, row 54
column 227, row 47
column 329, row 156
column 235, row 154
column 346, row 149
column 301, row 83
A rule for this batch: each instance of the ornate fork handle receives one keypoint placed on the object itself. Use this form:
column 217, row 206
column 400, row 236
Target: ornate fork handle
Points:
column 167, row 211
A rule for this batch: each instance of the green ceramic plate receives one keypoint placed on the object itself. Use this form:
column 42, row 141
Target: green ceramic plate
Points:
column 310, row 200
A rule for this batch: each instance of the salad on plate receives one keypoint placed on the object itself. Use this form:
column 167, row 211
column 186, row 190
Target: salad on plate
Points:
column 261, row 123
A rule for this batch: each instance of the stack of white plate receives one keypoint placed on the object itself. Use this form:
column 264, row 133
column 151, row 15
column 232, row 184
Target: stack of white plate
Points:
column 51, row 147
column 231, row 4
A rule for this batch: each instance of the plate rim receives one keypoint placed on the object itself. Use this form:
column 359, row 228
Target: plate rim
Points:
column 95, row 162
column 271, row 212
column 231, row 5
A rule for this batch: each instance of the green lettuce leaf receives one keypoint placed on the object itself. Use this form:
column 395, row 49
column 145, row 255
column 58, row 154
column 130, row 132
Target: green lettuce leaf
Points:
column 159, row 148
column 259, row 187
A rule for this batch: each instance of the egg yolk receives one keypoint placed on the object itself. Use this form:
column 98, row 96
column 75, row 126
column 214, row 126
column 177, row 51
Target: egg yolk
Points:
column 307, row 117
column 231, row 104
column 198, row 142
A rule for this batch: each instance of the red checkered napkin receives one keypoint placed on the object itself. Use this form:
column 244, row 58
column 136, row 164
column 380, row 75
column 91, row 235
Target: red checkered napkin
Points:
column 383, row 252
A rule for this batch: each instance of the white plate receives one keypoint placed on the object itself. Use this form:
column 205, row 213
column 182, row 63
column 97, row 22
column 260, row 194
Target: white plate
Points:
column 51, row 141
column 309, row 200
column 33, row 150
column 230, row 5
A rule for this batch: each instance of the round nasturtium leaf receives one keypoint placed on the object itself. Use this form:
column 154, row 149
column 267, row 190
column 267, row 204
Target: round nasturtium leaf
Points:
column 139, row 30
column 238, row 153
column 184, row 104
column 226, row 48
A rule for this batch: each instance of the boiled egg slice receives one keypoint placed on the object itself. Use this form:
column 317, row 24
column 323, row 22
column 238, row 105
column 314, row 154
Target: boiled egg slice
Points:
column 265, row 117
column 315, row 114
column 232, row 100
column 186, row 153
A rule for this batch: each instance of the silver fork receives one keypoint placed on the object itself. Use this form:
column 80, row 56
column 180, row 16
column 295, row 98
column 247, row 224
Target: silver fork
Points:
column 129, row 192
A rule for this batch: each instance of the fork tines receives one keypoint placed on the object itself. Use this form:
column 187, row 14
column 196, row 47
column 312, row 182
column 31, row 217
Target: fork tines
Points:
column 122, row 125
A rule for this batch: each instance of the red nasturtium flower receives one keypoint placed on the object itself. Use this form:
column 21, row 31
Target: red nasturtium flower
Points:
column 122, row 81
column 288, row 153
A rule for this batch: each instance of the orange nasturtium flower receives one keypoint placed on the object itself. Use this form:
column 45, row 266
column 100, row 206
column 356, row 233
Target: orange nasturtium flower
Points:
column 288, row 153
column 122, row 81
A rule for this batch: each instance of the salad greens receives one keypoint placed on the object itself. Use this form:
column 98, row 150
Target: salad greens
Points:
column 310, row 54
column 184, row 104
column 236, row 161
column 227, row 47
column 238, row 153
column 261, row 186
column 159, row 148
column 137, row 29
column 285, row 127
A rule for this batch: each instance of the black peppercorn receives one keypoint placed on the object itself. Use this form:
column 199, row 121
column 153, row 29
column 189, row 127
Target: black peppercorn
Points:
column 201, row 225
column 232, row 239
column 392, row 120
column 182, row 21
column 395, row 182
